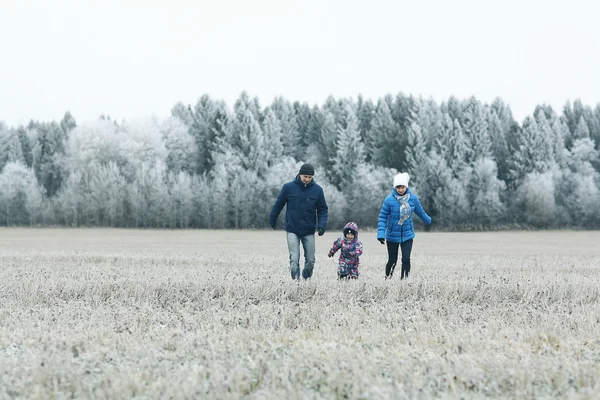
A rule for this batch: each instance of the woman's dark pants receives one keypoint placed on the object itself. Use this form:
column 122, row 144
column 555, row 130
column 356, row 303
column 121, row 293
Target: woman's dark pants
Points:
column 392, row 248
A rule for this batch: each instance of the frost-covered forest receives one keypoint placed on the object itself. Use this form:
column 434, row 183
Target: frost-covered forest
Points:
column 212, row 166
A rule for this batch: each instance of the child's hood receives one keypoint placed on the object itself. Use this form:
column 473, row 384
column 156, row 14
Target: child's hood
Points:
column 353, row 226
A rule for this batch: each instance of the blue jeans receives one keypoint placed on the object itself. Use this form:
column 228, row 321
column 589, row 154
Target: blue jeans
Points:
column 308, row 244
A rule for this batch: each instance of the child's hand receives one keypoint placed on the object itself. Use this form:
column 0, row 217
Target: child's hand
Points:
column 329, row 254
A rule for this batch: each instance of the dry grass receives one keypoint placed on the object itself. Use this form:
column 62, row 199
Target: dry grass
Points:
column 209, row 314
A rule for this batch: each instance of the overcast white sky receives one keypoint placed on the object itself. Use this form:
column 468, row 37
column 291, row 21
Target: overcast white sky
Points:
column 129, row 58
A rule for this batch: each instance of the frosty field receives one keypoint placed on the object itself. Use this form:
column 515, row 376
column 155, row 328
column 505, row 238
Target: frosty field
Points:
column 105, row 313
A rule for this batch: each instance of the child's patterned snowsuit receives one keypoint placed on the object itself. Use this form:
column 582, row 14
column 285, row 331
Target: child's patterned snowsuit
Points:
column 350, row 250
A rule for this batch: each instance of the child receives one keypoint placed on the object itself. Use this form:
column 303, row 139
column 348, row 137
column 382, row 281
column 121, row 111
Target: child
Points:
column 351, row 249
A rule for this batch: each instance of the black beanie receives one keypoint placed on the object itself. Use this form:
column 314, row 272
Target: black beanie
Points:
column 306, row 169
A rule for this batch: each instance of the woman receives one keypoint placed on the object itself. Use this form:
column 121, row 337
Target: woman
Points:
column 396, row 224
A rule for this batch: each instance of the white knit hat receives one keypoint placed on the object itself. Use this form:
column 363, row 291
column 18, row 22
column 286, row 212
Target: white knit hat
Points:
column 401, row 179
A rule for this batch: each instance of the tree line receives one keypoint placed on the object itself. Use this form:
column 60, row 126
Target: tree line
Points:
column 211, row 166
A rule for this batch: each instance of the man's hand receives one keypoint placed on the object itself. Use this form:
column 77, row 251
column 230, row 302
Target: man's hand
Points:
column 381, row 240
column 321, row 231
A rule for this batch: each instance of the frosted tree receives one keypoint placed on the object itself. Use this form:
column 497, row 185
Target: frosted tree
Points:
column 444, row 139
column 385, row 139
column 475, row 128
column 10, row 147
column 582, row 155
column 544, row 143
column 364, row 195
column 402, row 107
column 142, row 146
column 453, row 107
column 532, row 153
column 306, row 131
column 183, row 113
column 560, row 133
column 148, row 195
column 436, row 122
column 585, row 200
column 243, row 211
column 273, row 146
column 202, row 201
column 452, row 145
column 25, row 137
column 446, row 200
column 313, row 129
column 544, row 109
column 323, row 150
column 365, row 112
column 500, row 151
column 593, row 121
column 182, row 151
column 416, row 156
column 582, row 122
column 68, row 123
column 34, row 199
column 504, row 113
column 107, row 194
column 428, row 116
column 138, row 208
column 244, row 139
column 569, row 115
column 240, row 153
column 20, row 197
column 350, row 151
column 484, row 191
column 582, row 131
column 511, row 131
column 48, row 156
column 581, row 182
column 337, row 108
column 71, row 200
column 578, row 171
column 596, row 135
column 182, row 195
column 245, row 103
column 535, row 200
column 162, row 200
column 94, row 143
column 221, row 209
column 205, row 124
column 422, row 133
column 293, row 143
column 572, row 114
column 237, row 198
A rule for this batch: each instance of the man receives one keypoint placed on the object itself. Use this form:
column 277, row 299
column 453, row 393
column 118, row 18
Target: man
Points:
column 306, row 212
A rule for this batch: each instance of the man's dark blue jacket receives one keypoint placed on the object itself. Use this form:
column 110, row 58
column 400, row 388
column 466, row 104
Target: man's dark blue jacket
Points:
column 305, row 205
